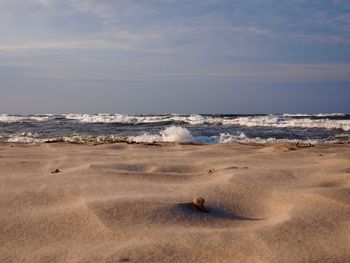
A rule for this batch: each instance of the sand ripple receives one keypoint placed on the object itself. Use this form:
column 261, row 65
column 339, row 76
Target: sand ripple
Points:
column 131, row 203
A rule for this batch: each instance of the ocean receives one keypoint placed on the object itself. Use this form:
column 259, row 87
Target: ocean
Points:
column 197, row 128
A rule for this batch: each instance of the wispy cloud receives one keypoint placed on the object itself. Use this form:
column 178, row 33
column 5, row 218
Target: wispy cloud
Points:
column 325, row 39
column 211, row 37
column 51, row 46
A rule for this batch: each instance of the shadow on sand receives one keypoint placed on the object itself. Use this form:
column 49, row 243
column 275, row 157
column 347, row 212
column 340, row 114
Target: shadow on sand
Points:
column 190, row 210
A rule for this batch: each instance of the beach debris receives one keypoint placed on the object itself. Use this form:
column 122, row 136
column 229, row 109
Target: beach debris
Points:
column 56, row 171
column 198, row 202
column 211, row 170
column 303, row 145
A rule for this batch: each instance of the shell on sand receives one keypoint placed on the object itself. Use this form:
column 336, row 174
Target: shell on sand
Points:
column 199, row 201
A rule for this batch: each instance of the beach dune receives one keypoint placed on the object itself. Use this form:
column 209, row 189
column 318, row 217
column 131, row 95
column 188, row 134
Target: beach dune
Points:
column 132, row 203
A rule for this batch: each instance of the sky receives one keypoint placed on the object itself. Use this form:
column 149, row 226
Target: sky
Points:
column 174, row 56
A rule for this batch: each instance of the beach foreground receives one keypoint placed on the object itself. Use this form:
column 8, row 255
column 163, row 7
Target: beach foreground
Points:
column 131, row 203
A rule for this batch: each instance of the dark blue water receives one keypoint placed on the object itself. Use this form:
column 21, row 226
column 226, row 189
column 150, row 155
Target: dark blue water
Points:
column 198, row 128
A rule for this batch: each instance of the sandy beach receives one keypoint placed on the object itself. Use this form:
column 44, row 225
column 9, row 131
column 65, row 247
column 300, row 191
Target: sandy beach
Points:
column 132, row 203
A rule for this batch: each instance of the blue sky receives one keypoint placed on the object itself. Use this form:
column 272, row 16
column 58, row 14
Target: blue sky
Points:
column 184, row 56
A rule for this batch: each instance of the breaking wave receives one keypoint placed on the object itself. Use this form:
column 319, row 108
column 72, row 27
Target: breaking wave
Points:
column 193, row 119
column 338, row 121
column 313, row 115
column 22, row 118
column 242, row 138
column 279, row 121
column 195, row 128
column 170, row 134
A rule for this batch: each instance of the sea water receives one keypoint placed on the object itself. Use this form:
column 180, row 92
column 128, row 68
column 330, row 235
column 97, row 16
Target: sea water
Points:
column 199, row 128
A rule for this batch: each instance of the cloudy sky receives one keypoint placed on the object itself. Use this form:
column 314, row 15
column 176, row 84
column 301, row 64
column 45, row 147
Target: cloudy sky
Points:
column 174, row 56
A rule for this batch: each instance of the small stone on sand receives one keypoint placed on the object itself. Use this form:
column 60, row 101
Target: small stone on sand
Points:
column 198, row 202
column 56, row 171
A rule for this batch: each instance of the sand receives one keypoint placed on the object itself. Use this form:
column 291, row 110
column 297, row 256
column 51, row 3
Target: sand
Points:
column 132, row 203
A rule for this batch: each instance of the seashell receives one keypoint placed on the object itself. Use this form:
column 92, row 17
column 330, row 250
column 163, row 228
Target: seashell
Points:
column 198, row 202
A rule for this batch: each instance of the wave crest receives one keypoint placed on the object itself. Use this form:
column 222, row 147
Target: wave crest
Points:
column 170, row 134
column 281, row 122
column 6, row 118
column 278, row 121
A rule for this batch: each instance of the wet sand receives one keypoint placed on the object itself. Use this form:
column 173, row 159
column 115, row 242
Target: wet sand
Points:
column 132, row 203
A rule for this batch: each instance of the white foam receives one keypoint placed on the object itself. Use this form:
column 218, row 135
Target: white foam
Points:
column 176, row 134
column 146, row 137
column 117, row 118
column 170, row 134
column 89, row 139
column 242, row 138
column 99, row 118
column 226, row 137
column 313, row 115
column 80, row 139
column 280, row 122
column 21, row 118
column 330, row 114
column 25, row 139
column 296, row 115
column 194, row 119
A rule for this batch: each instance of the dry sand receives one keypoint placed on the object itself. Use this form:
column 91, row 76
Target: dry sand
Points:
column 129, row 203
